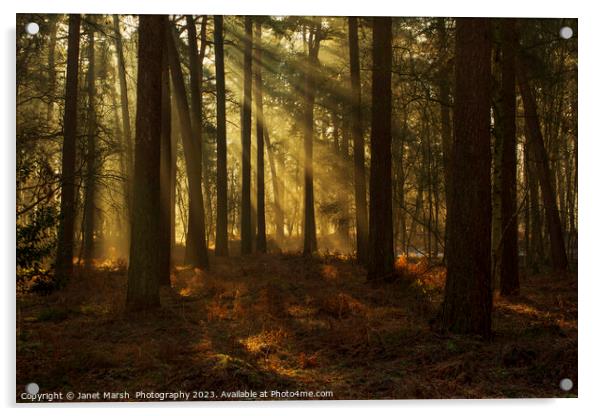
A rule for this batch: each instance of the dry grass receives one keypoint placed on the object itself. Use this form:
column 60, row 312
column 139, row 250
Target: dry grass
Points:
column 286, row 322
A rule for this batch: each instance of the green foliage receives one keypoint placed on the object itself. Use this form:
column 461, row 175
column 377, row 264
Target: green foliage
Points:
column 35, row 243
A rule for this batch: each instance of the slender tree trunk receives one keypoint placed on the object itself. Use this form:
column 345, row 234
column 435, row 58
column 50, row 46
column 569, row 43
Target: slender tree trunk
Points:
column 276, row 187
column 246, row 231
column 380, row 251
column 196, row 246
column 166, row 168
column 310, row 241
column 509, row 283
column 144, row 274
column 467, row 300
column 64, row 258
column 221, row 232
column 535, row 140
column 125, row 112
column 52, row 29
column 261, row 243
column 91, row 157
column 359, row 173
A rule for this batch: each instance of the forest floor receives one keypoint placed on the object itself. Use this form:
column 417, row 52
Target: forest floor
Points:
column 281, row 322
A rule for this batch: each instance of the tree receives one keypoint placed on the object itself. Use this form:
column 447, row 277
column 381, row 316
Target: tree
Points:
column 359, row 174
column 246, row 234
column 91, row 156
column 64, row 259
column 380, row 249
column 467, row 299
column 310, row 241
column 144, row 274
column 196, row 245
column 166, row 167
column 221, row 231
column 537, row 150
column 261, row 244
column 509, row 283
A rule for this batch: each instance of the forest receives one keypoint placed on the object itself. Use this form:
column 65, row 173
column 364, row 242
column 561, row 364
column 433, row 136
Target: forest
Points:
column 308, row 207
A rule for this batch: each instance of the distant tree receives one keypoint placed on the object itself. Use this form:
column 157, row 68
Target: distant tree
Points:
column 380, row 250
column 64, row 260
column 221, row 232
column 246, row 234
column 261, row 244
column 359, row 173
column 144, row 274
column 467, row 299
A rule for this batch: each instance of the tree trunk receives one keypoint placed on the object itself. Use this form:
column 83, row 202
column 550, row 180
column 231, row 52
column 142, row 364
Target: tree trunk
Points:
column 380, row 251
column 91, row 158
column 64, row 258
column 535, row 141
column 125, row 113
column 261, row 243
column 52, row 29
column 310, row 241
column 196, row 246
column 246, row 232
column 166, row 168
column 221, row 232
column 359, row 173
column 467, row 300
column 144, row 274
column 509, row 283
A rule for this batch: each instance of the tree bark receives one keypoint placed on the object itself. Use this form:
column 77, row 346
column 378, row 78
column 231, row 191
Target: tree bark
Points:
column 221, row 231
column 246, row 232
column 509, row 282
column 359, row 169
column 380, row 251
column 467, row 300
column 144, row 274
column 64, row 259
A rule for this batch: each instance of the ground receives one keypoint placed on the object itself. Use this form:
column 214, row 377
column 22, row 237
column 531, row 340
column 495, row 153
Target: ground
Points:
column 282, row 322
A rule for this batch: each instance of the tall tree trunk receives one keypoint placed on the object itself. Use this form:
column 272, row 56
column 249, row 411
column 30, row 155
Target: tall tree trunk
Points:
column 166, row 168
column 509, row 283
column 467, row 300
column 359, row 174
column 535, row 141
column 261, row 243
column 91, row 157
column 125, row 113
column 380, row 251
column 196, row 246
column 246, row 231
column 221, row 232
column 64, row 258
column 310, row 241
column 276, row 187
column 52, row 29
column 144, row 274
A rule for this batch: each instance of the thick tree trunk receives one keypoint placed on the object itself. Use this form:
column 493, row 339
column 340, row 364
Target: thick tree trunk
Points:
column 144, row 274
column 261, row 243
column 196, row 246
column 64, row 258
column 246, row 231
column 166, row 168
column 91, row 158
column 467, row 300
column 536, row 143
column 380, row 251
column 509, row 282
column 221, row 231
column 359, row 169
